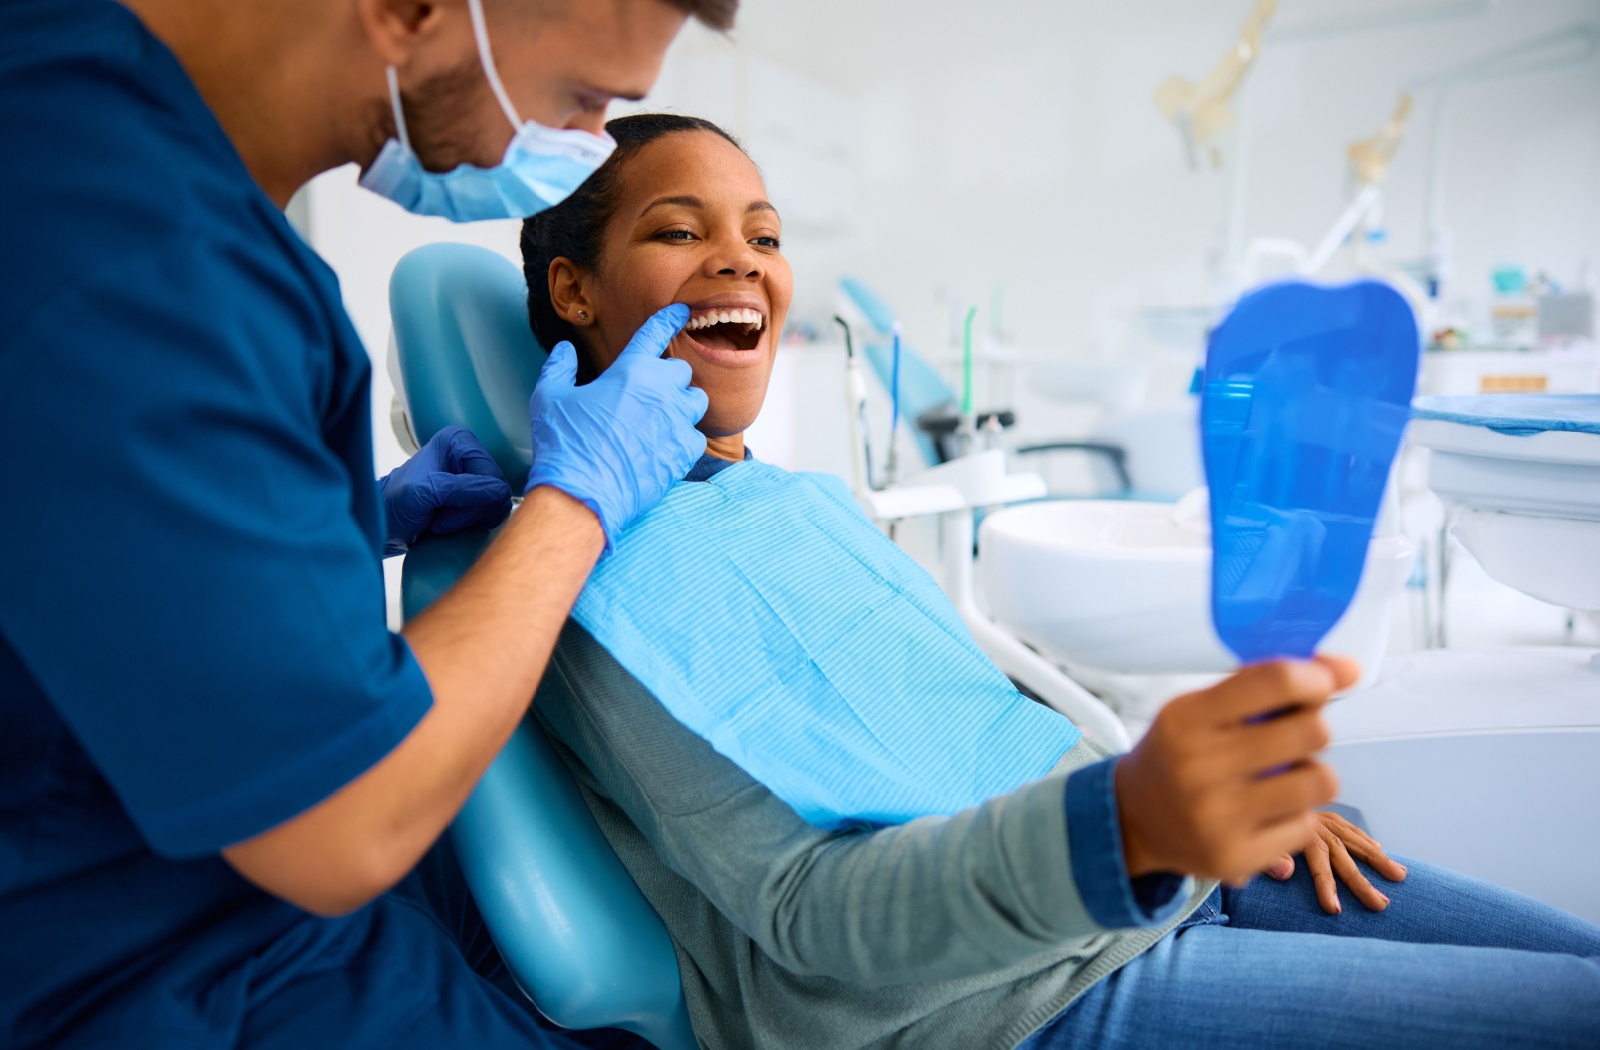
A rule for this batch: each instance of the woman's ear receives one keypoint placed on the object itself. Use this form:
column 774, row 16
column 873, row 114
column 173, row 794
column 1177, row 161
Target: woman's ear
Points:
column 569, row 293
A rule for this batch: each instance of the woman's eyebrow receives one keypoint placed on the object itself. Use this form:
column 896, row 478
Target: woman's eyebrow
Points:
column 682, row 202
column 686, row 201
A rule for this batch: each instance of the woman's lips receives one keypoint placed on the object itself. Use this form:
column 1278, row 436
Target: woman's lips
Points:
column 730, row 332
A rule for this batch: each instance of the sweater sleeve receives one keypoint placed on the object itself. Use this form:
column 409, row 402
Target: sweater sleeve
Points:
column 938, row 898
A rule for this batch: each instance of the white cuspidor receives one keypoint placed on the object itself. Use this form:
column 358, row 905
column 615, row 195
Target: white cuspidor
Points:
column 1526, row 505
column 1125, row 587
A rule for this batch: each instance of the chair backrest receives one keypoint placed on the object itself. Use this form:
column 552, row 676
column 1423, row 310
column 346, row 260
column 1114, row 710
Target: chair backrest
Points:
column 574, row 930
column 466, row 353
column 921, row 388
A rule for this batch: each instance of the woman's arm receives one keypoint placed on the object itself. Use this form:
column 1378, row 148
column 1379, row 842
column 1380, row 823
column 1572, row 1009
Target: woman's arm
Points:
column 936, row 899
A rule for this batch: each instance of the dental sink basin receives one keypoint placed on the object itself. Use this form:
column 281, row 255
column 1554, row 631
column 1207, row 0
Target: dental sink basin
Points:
column 1521, row 474
column 1124, row 587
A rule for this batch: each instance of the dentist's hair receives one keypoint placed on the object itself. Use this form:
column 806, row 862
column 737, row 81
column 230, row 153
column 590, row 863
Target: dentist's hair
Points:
column 717, row 14
column 714, row 14
column 575, row 229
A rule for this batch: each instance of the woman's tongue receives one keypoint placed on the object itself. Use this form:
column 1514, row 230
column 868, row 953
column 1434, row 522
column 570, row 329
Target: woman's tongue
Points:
column 717, row 337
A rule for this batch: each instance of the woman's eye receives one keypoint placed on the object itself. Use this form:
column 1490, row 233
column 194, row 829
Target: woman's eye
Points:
column 677, row 235
column 766, row 242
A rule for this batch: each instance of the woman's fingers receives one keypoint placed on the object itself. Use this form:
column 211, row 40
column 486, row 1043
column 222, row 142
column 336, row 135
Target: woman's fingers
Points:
column 1289, row 835
column 1345, row 669
column 1378, row 861
column 1364, row 847
column 1282, row 741
column 1305, row 787
column 1281, row 868
column 1321, row 869
column 1265, row 689
column 1351, row 876
column 1348, row 831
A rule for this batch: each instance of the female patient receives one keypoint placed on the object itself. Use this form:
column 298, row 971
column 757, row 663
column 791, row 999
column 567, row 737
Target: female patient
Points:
column 1080, row 908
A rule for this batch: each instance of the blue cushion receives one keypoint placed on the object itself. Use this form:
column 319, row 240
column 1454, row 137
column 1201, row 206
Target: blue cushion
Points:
column 466, row 352
column 572, row 927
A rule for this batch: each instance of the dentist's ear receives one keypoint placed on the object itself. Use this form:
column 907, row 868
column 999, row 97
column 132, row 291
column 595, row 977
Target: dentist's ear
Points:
column 567, row 293
column 397, row 28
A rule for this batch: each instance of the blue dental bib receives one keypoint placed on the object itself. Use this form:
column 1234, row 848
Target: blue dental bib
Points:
column 1306, row 395
column 766, row 613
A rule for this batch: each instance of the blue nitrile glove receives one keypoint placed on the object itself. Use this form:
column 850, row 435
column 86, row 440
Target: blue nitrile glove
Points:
column 617, row 444
column 449, row 485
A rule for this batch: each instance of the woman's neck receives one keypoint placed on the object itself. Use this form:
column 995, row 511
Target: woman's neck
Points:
column 730, row 448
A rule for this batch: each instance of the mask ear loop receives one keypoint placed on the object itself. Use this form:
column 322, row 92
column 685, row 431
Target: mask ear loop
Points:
column 394, row 101
column 480, row 31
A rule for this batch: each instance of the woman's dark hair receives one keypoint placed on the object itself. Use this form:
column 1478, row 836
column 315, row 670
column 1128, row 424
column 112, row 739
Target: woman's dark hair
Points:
column 575, row 228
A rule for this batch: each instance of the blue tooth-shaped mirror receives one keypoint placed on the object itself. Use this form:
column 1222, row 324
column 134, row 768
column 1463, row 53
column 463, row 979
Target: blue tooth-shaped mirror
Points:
column 1306, row 393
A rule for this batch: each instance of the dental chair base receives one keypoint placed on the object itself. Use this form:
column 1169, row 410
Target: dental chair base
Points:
column 1484, row 762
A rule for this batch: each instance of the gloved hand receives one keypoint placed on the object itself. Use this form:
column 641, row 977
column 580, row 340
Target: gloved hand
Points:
column 451, row 484
column 617, row 444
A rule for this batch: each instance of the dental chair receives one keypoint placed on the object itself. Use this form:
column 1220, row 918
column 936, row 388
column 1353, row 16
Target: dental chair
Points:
column 575, row 932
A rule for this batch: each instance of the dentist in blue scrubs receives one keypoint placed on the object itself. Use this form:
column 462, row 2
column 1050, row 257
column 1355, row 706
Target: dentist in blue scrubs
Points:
column 221, row 777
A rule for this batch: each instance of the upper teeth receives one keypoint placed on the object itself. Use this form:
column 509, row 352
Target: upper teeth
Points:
column 736, row 316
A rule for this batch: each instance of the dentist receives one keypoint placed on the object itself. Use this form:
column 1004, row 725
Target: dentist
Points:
column 216, row 764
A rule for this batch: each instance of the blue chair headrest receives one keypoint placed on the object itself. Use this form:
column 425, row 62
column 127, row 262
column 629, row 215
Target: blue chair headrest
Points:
column 866, row 300
column 465, row 350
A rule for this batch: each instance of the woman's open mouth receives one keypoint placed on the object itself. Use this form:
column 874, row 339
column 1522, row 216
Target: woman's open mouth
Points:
column 719, row 332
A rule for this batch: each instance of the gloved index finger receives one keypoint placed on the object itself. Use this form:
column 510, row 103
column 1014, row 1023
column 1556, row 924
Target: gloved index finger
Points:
column 653, row 336
column 465, row 454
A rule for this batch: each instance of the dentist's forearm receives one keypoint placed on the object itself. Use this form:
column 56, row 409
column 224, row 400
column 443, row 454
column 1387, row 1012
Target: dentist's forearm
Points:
column 483, row 647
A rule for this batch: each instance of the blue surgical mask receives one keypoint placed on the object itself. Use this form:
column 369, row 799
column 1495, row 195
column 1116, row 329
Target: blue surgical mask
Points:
column 542, row 166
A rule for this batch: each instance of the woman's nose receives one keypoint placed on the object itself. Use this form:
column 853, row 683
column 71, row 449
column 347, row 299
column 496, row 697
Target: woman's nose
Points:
column 735, row 258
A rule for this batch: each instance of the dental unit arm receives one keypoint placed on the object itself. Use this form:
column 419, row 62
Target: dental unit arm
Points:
column 856, row 414
column 1200, row 111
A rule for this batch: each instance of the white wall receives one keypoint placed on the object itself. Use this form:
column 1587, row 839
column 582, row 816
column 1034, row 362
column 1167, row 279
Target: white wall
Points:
column 940, row 149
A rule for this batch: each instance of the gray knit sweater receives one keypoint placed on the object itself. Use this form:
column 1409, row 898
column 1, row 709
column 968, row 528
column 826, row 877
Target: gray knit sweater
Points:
column 947, row 933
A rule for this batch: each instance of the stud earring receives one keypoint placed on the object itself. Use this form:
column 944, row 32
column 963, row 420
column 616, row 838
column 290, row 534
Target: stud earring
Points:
column 583, row 315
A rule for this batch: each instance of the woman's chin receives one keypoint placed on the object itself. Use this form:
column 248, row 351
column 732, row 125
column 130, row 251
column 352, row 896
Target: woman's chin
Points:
column 723, row 427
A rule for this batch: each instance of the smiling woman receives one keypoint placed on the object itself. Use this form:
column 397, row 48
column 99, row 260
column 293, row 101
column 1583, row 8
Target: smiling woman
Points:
column 858, row 833
column 678, row 215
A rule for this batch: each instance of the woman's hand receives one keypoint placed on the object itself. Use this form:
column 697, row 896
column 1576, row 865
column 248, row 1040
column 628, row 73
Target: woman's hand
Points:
column 1338, row 842
column 1227, row 778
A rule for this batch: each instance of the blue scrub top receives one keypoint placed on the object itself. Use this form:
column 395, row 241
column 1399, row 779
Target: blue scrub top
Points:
column 192, row 639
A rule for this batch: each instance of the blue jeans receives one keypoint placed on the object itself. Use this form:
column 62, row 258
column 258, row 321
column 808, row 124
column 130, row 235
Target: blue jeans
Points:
column 1453, row 962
